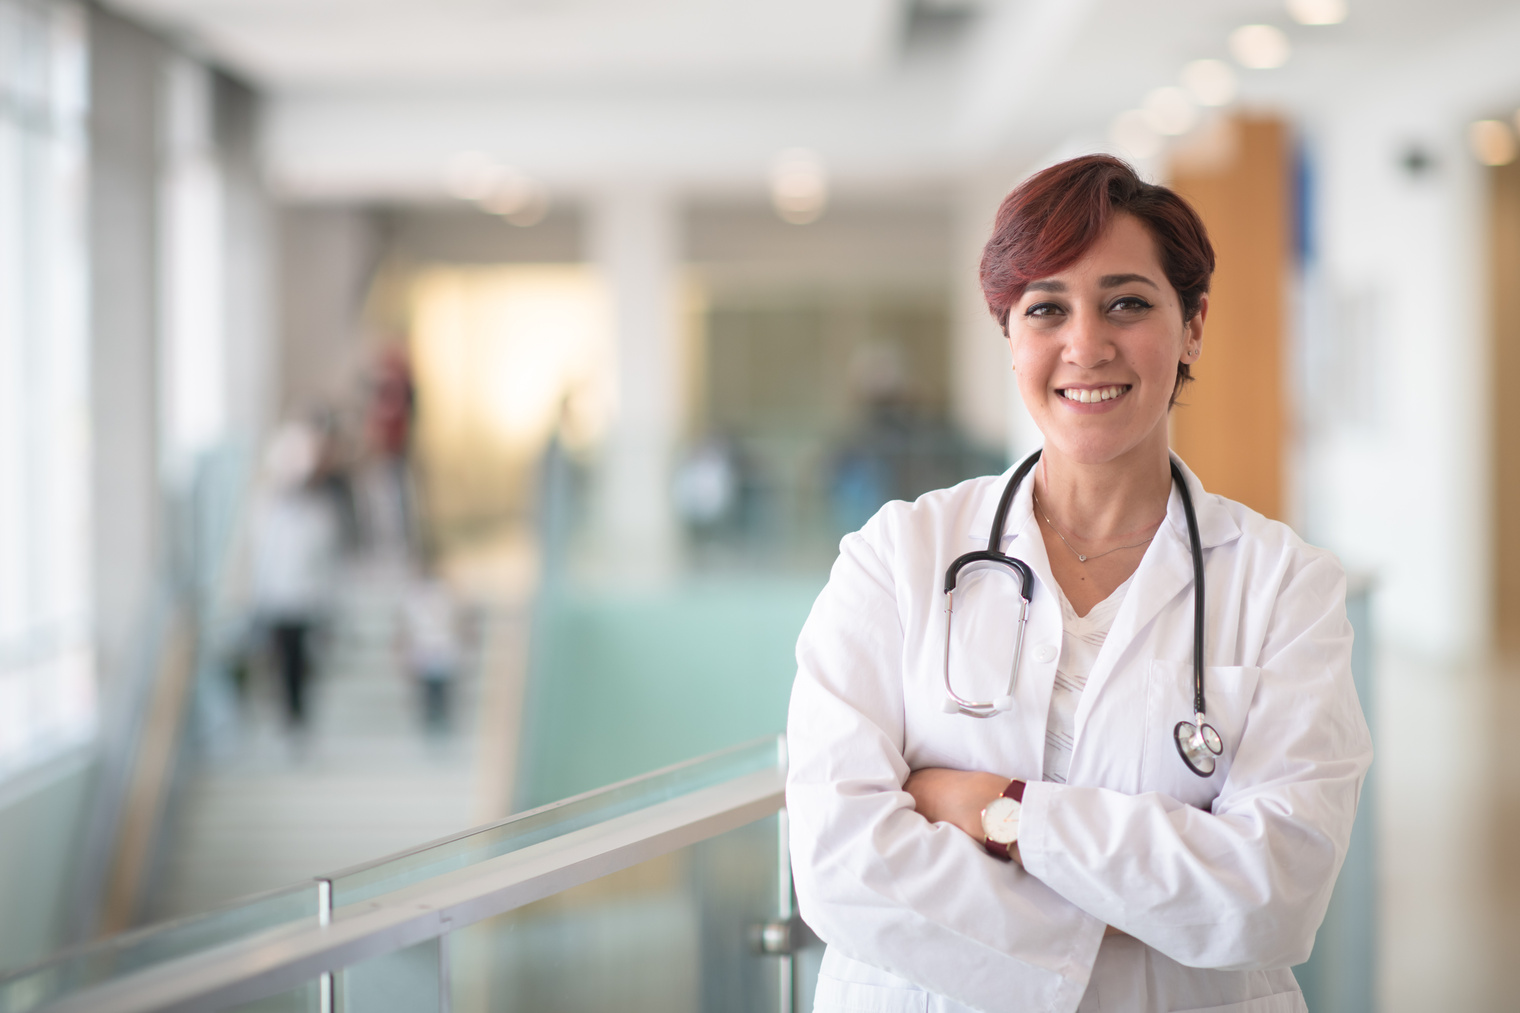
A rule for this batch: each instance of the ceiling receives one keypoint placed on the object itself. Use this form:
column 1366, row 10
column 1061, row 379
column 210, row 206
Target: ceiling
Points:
column 429, row 44
column 373, row 97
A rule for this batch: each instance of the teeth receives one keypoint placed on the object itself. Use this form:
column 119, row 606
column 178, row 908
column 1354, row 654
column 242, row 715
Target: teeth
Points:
column 1090, row 396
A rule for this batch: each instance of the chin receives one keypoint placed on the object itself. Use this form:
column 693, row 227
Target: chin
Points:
column 1095, row 445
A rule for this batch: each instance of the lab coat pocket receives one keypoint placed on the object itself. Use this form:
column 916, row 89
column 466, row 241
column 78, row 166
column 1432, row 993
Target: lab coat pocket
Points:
column 1228, row 691
column 835, row 995
column 1282, row 1002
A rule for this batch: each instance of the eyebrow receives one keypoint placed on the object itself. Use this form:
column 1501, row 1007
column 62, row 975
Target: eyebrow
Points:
column 1115, row 280
column 1107, row 281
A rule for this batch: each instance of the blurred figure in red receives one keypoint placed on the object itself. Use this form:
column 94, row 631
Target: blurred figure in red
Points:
column 389, row 417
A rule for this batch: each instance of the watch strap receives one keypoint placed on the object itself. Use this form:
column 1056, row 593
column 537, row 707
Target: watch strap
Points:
column 1015, row 791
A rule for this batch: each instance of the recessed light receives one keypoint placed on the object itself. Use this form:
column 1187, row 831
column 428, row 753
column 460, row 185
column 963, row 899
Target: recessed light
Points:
column 1212, row 82
column 1170, row 111
column 1260, row 47
column 1317, row 12
column 1131, row 132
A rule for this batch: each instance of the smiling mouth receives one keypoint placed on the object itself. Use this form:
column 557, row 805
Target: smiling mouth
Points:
column 1090, row 395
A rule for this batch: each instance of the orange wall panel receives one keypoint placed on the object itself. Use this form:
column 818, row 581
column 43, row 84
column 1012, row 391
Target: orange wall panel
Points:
column 1230, row 424
column 1504, row 302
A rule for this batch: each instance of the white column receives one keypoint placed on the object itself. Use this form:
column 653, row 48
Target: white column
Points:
column 193, row 385
column 633, row 241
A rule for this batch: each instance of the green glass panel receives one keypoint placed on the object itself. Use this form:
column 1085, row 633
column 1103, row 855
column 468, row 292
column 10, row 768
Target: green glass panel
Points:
column 627, row 681
column 517, row 832
column 406, row 981
column 304, row 998
column 677, row 934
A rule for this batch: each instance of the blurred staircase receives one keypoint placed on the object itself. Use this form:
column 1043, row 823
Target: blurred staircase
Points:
column 268, row 808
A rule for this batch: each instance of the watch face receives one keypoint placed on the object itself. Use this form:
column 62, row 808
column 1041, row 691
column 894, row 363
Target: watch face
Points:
column 1000, row 821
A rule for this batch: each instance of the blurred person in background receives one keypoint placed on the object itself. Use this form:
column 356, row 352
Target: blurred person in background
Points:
column 390, row 414
column 334, row 475
column 900, row 450
column 296, row 537
column 1057, row 839
column 431, row 643
column 714, row 492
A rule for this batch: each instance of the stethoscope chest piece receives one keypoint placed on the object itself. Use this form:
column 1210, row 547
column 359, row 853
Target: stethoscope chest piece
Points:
column 1198, row 744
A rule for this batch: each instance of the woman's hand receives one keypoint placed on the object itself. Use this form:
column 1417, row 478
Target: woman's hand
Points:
column 956, row 797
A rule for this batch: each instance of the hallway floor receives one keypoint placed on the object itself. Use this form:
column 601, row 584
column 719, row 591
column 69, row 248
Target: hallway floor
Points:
column 1448, row 769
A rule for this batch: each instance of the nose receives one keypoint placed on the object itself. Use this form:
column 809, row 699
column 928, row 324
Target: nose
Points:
column 1089, row 340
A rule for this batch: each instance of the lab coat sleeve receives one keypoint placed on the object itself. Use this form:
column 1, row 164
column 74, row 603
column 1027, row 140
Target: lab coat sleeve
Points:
column 873, row 877
column 1246, row 885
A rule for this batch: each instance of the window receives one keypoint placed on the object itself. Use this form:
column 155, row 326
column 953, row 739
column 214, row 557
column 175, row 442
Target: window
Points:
column 47, row 680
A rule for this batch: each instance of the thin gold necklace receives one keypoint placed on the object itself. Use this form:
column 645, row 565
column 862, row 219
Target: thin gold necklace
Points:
column 1099, row 555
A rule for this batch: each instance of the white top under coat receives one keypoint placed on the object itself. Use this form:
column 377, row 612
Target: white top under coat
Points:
column 1081, row 639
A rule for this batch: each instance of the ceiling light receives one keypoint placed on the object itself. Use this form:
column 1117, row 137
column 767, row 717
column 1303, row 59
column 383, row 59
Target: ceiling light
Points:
column 1260, row 47
column 1317, row 12
column 1492, row 142
column 1170, row 111
column 799, row 186
column 517, row 197
column 1131, row 132
column 1212, row 82
column 471, row 175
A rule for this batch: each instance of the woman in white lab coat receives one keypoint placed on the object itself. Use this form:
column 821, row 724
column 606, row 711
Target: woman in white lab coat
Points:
column 1133, row 883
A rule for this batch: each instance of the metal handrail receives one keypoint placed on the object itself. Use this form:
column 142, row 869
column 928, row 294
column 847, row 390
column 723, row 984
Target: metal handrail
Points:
column 271, row 961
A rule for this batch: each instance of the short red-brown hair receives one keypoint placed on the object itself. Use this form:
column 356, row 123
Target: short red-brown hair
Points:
column 1055, row 216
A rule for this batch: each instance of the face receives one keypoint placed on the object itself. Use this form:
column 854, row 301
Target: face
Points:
column 1096, row 348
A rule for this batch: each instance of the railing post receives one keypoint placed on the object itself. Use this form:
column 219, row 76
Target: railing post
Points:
column 787, row 965
column 324, row 919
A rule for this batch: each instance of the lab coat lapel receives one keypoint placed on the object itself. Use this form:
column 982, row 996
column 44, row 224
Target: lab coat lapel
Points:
column 1165, row 572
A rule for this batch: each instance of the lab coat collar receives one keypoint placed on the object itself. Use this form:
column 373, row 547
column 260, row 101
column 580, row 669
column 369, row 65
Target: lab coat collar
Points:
column 1164, row 572
column 1215, row 525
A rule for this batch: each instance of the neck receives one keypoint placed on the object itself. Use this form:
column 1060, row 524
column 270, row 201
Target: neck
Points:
column 1108, row 500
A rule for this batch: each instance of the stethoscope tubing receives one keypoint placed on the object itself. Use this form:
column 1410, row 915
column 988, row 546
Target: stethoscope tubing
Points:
column 1197, row 738
column 992, row 554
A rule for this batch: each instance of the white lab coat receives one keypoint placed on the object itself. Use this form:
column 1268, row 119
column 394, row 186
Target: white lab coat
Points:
column 1221, row 881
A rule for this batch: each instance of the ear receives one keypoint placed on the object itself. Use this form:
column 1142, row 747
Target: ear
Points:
column 1192, row 349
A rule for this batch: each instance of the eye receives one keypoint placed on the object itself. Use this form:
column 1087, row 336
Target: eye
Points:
column 1043, row 309
column 1128, row 304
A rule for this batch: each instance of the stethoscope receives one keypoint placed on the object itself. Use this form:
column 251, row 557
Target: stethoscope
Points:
column 1197, row 742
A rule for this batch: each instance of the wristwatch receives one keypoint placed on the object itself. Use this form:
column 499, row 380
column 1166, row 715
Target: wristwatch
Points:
column 1000, row 820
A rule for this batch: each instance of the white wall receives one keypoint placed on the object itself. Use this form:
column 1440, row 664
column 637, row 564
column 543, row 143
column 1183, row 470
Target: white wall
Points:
column 984, row 393
column 1399, row 486
column 327, row 257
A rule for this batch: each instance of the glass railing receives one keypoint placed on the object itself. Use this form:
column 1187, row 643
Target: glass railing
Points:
column 669, row 892
column 80, row 969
